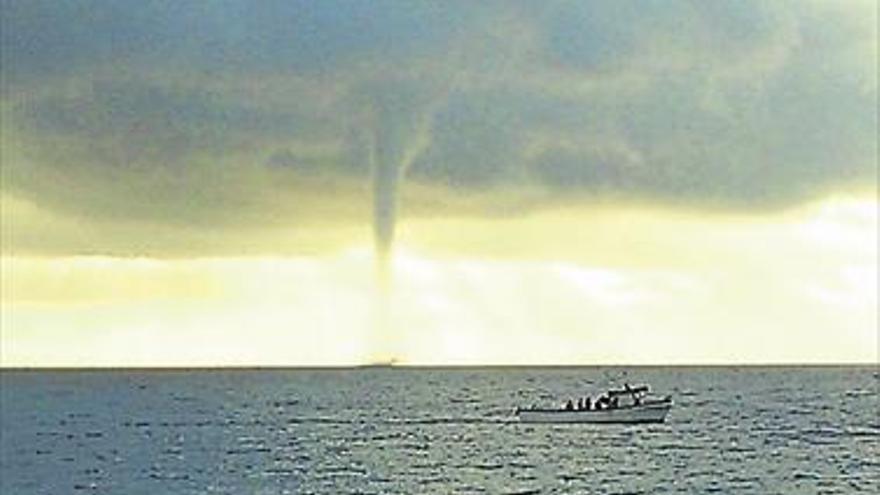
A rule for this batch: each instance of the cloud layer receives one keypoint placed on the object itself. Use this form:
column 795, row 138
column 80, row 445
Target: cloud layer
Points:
column 223, row 116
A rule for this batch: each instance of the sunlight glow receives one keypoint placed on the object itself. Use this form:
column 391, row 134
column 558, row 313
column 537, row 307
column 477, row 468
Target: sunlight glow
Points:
column 803, row 286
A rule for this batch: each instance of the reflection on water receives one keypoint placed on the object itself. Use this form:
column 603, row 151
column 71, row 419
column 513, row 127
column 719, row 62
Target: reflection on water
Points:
column 391, row 430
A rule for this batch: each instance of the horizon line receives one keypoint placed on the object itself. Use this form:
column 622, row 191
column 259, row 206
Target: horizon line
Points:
column 366, row 367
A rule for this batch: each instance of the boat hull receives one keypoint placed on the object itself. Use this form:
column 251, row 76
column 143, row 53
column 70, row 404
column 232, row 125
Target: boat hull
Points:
column 647, row 413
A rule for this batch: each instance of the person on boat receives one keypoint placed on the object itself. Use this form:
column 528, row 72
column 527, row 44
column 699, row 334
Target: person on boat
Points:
column 587, row 403
column 580, row 404
column 569, row 406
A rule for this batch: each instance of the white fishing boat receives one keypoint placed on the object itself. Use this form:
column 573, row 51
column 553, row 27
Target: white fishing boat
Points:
column 626, row 405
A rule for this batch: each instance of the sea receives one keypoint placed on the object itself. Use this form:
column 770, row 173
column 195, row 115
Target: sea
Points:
column 761, row 430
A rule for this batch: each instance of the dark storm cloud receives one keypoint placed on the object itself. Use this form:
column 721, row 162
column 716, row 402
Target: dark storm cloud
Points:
column 42, row 38
column 739, row 104
column 152, row 123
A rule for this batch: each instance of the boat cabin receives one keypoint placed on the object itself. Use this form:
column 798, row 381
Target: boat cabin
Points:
column 632, row 396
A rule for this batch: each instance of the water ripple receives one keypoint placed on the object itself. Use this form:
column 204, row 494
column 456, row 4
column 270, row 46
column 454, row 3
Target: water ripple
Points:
column 433, row 431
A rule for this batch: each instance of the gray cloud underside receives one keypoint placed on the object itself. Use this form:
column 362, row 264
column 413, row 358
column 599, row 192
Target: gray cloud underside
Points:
column 219, row 113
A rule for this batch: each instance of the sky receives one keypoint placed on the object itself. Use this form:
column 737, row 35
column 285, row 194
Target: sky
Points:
column 456, row 182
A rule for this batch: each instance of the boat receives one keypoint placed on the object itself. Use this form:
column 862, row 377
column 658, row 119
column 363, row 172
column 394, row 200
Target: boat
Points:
column 625, row 405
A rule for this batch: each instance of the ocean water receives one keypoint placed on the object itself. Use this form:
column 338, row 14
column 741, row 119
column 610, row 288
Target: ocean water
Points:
column 769, row 430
